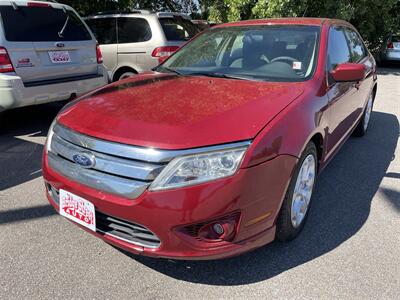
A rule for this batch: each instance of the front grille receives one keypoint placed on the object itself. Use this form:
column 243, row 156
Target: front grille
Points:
column 127, row 231
column 54, row 193
column 115, row 170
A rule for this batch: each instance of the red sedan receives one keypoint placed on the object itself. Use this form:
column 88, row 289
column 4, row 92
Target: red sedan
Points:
column 217, row 151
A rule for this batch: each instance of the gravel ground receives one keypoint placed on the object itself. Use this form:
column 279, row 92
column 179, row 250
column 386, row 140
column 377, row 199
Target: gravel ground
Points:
column 349, row 248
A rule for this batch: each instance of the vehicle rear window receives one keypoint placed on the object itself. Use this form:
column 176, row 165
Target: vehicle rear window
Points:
column 396, row 39
column 104, row 29
column 42, row 24
column 178, row 29
column 133, row 30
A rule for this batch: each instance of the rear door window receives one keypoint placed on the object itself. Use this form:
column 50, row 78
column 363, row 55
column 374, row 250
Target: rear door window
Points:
column 133, row 30
column 178, row 29
column 104, row 29
column 42, row 24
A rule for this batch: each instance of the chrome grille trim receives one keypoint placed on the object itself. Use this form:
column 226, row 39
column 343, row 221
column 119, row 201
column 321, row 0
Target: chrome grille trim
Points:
column 109, row 164
column 135, row 152
column 128, row 188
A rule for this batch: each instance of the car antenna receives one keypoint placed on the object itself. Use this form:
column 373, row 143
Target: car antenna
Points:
column 304, row 13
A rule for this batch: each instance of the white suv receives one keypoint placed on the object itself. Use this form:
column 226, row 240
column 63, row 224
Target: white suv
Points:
column 47, row 53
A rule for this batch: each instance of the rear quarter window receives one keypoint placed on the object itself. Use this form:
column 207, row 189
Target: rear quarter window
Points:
column 41, row 24
column 133, row 30
column 178, row 29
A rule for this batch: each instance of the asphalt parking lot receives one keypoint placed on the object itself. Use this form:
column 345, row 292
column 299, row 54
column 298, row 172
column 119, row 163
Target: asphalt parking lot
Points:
column 349, row 248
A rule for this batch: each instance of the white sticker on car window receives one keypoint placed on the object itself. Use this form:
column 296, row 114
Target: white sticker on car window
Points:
column 297, row 65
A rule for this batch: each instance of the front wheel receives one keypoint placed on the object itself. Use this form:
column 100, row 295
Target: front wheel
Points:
column 362, row 126
column 296, row 204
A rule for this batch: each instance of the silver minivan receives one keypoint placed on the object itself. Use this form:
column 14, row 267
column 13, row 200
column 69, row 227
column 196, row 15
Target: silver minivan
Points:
column 47, row 53
column 138, row 40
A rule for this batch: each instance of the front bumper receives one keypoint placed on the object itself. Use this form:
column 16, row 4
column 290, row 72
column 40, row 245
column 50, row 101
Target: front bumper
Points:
column 255, row 192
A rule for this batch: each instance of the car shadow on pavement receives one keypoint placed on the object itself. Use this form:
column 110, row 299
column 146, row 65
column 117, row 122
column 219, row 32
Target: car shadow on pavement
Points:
column 22, row 134
column 341, row 206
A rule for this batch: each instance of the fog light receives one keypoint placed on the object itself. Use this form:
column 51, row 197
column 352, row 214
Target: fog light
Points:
column 218, row 228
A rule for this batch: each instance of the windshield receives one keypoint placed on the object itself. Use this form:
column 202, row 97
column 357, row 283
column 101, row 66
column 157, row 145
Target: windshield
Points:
column 270, row 53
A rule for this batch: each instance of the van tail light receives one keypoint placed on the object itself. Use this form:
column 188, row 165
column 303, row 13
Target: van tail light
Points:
column 35, row 4
column 390, row 45
column 162, row 53
column 5, row 61
column 99, row 55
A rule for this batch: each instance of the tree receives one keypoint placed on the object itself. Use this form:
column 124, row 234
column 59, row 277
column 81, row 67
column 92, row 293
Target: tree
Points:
column 374, row 19
column 89, row 7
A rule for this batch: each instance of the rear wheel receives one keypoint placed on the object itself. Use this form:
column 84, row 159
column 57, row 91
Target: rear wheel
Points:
column 124, row 73
column 296, row 204
column 363, row 124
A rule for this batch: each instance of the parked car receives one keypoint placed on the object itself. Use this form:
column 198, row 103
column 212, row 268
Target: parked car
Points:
column 390, row 51
column 216, row 152
column 202, row 24
column 136, row 41
column 47, row 53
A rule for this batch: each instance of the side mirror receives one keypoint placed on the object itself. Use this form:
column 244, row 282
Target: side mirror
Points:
column 349, row 72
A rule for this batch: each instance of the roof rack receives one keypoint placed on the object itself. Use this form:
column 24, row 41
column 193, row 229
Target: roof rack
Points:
column 121, row 12
column 166, row 14
column 53, row 1
column 160, row 14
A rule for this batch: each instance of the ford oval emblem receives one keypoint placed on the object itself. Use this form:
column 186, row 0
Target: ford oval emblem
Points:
column 60, row 45
column 85, row 160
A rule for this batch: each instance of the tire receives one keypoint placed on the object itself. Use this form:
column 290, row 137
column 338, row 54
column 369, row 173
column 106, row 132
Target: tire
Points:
column 126, row 75
column 291, row 218
column 363, row 124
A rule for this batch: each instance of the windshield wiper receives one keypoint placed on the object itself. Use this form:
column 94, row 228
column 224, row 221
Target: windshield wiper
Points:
column 222, row 75
column 162, row 68
column 61, row 32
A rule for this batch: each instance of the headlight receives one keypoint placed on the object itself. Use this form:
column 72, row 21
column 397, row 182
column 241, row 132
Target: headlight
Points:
column 50, row 136
column 199, row 168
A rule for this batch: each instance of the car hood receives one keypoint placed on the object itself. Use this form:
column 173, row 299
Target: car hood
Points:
column 178, row 112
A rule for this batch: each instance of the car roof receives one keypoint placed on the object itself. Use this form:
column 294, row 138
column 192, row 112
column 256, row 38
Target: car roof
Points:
column 136, row 12
column 286, row 21
column 52, row 3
